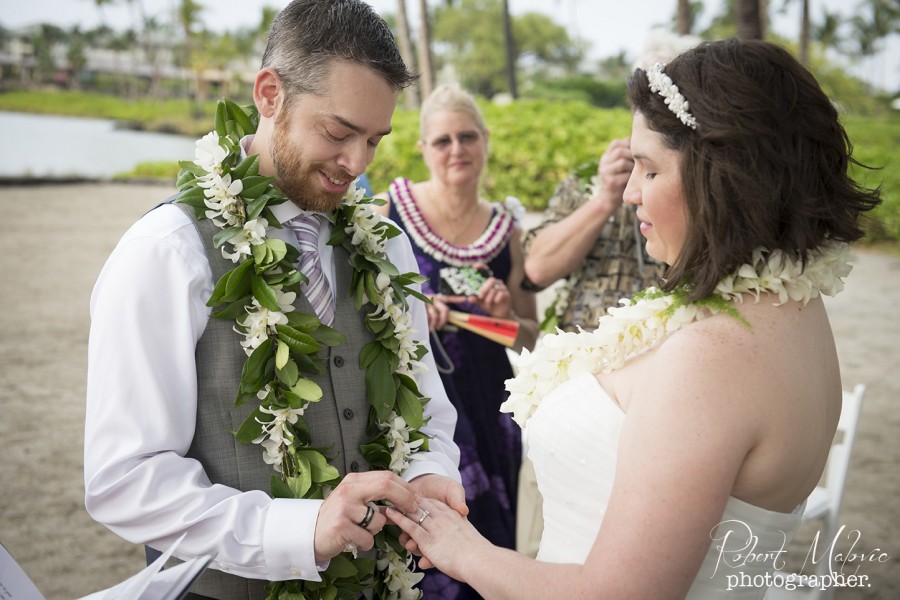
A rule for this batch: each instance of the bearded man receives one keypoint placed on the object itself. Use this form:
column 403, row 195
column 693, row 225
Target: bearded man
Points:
column 162, row 461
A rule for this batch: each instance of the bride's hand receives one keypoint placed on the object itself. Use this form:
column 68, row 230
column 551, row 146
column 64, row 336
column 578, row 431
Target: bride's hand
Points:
column 441, row 537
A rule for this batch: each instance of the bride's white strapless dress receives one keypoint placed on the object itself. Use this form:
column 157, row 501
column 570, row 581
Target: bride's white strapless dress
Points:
column 573, row 440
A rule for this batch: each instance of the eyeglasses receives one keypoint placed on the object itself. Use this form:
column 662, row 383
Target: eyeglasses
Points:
column 466, row 138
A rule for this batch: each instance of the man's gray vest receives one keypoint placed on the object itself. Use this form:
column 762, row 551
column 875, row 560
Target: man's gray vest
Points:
column 337, row 422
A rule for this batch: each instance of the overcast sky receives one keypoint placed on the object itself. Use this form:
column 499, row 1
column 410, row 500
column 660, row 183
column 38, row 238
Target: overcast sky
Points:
column 609, row 25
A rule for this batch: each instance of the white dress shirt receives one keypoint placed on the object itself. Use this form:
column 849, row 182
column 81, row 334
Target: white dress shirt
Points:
column 148, row 310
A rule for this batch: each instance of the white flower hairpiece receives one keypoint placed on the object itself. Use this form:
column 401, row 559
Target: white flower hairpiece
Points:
column 663, row 85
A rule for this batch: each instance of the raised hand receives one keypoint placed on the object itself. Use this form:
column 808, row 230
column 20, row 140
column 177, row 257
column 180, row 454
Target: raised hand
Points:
column 614, row 170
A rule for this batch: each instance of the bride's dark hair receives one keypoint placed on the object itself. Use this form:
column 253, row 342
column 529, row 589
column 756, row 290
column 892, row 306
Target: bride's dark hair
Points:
column 766, row 166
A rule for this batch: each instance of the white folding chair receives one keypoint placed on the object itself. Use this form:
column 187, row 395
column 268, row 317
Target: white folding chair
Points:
column 824, row 503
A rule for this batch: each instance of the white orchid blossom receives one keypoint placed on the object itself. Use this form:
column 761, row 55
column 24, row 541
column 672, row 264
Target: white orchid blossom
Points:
column 400, row 579
column 368, row 233
column 362, row 229
column 638, row 325
column 209, row 154
column 402, row 450
column 226, row 209
column 251, row 234
column 382, row 281
column 276, row 438
column 260, row 322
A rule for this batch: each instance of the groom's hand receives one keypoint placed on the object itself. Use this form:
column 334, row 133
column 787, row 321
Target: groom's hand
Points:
column 442, row 488
column 340, row 523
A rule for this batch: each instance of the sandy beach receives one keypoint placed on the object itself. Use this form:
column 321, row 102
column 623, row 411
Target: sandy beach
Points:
column 57, row 238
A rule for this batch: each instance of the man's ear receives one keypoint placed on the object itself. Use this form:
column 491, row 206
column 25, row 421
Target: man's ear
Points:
column 267, row 90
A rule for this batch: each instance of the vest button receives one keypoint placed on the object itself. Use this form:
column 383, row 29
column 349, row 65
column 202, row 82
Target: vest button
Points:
column 348, row 413
column 354, row 466
column 338, row 361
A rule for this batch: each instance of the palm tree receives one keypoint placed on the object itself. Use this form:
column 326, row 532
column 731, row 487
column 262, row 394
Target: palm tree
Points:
column 155, row 39
column 804, row 33
column 100, row 4
column 876, row 20
column 139, row 18
column 188, row 17
column 406, row 51
column 44, row 65
column 683, row 18
column 803, row 42
column 426, row 67
column 827, row 32
column 749, row 19
column 510, row 46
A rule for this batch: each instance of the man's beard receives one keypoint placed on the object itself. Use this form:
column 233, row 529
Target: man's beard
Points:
column 294, row 176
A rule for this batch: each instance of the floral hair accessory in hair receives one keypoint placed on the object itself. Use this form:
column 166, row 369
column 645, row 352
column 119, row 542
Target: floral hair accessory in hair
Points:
column 663, row 85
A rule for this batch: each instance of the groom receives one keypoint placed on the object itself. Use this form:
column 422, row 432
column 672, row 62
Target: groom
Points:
column 161, row 460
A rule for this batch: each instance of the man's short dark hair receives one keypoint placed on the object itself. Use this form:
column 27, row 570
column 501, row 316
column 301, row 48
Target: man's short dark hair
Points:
column 307, row 35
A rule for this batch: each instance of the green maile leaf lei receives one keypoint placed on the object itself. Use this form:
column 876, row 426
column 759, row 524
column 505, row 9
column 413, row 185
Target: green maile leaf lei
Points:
column 282, row 344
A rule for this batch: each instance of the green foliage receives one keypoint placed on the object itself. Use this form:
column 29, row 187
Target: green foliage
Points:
column 875, row 142
column 180, row 115
column 539, row 37
column 151, row 170
column 854, row 95
column 474, row 48
column 603, row 93
column 534, row 144
column 469, row 31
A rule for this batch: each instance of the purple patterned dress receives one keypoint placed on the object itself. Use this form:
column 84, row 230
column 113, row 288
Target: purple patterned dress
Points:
column 489, row 441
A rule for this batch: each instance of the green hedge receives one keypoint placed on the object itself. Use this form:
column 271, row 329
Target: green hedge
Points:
column 171, row 115
column 534, row 144
column 876, row 143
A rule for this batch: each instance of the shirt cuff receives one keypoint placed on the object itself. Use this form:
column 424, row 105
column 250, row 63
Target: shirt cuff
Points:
column 424, row 466
column 289, row 539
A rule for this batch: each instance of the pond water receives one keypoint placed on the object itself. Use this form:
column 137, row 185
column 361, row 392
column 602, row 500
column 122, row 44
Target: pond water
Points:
column 54, row 146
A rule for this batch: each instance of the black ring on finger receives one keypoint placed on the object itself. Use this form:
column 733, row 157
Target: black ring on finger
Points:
column 370, row 512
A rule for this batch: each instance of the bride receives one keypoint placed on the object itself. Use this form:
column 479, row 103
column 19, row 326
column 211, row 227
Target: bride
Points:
column 675, row 445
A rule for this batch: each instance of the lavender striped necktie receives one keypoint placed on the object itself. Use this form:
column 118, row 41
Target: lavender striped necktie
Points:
column 317, row 291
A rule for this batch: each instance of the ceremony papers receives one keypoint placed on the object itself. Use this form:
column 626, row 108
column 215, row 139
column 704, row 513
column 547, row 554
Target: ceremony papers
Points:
column 152, row 583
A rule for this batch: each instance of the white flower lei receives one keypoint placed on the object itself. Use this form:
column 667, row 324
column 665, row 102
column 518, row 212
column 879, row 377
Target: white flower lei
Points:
column 645, row 320
column 282, row 344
